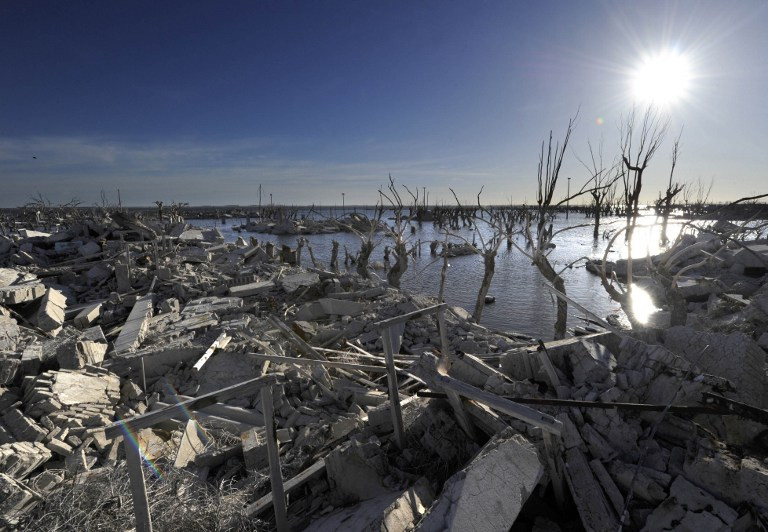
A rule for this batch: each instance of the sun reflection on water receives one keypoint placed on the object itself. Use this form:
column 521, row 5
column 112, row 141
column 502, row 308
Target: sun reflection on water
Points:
column 643, row 306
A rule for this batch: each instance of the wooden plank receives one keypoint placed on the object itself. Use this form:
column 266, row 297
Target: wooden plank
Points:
column 220, row 343
column 390, row 338
column 310, row 362
column 524, row 413
column 584, row 309
column 546, row 363
column 138, row 488
column 147, row 420
column 273, row 453
column 294, row 338
column 264, row 503
column 453, row 397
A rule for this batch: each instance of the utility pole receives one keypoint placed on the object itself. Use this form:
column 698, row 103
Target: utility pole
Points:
column 260, row 213
column 568, row 200
column 342, row 204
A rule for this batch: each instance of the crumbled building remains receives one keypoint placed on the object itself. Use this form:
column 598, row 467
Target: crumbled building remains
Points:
column 140, row 355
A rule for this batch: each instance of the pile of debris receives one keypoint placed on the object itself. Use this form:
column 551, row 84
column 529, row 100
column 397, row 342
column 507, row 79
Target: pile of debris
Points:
column 220, row 381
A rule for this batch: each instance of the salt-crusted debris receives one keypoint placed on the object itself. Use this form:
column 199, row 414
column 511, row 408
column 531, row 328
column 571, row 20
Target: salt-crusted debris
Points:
column 129, row 336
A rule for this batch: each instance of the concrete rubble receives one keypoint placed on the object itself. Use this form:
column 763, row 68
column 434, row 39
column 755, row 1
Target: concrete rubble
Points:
column 103, row 322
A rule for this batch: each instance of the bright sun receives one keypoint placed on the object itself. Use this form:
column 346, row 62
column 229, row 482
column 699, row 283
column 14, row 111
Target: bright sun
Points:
column 662, row 79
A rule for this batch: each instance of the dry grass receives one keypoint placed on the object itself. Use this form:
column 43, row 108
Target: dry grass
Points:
column 178, row 501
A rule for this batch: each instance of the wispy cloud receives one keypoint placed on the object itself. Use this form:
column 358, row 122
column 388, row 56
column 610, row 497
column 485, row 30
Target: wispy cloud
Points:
column 215, row 172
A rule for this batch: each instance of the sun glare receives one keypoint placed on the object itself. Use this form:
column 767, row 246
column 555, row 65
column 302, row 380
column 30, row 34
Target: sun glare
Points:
column 662, row 79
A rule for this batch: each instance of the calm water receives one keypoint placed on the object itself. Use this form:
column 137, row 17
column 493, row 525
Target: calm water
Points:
column 522, row 304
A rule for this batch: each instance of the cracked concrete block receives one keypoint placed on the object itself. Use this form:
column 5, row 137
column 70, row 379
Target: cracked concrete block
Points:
column 489, row 493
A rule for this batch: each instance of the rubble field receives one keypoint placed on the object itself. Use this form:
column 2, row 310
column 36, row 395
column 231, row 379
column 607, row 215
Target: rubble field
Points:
column 155, row 377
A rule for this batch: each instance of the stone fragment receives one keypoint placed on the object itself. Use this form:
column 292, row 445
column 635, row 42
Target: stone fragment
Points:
column 595, row 511
column 252, row 289
column 356, row 471
column 293, row 283
column 31, row 359
column 254, row 450
column 733, row 356
column 9, row 333
column 17, row 287
column 9, row 368
column 341, row 307
column 15, row 500
column 88, row 316
column 50, row 315
column 390, row 512
column 193, row 443
column 690, row 508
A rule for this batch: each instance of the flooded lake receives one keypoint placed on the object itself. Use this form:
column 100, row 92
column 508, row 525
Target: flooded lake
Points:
column 522, row 303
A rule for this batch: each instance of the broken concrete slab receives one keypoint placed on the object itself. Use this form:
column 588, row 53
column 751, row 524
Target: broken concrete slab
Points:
column 136, row 326
column 490, row 492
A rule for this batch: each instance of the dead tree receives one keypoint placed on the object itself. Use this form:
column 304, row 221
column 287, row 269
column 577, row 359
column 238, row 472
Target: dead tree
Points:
column 664, row 204
column 548, row 173
column 399, row 231
column 604, row 181
column 637, row 150
column 488, row 249
column 367, row 243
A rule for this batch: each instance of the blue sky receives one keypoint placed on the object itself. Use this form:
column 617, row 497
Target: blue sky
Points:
column 202, row 101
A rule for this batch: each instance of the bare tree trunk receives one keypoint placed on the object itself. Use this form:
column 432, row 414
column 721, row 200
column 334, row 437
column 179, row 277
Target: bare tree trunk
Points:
column 596, row 233
column 335, row 256
column 549, row 273
column 489, row 262
column 443, row 273
column 401, row 264
column 366, row 248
